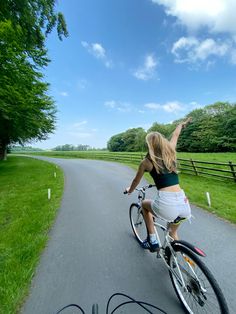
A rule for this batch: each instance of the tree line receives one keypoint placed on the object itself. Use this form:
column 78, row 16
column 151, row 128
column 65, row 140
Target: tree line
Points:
column 213, row 129
column 70, row 147
column 27, row 112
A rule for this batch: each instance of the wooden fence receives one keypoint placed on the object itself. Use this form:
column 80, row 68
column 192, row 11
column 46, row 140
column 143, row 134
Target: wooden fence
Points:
column 218, row 170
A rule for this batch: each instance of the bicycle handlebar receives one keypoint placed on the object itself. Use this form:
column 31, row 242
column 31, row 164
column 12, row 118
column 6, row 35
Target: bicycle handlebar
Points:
column 144, row 305
column 143, row 188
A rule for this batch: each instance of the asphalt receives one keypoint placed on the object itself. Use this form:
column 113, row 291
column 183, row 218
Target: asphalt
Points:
column 92, row 254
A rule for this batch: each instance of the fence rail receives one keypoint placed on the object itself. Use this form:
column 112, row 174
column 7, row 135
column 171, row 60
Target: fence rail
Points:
column 218, row 170
column 195, row 167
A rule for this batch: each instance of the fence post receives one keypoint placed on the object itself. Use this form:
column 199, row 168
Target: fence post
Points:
column 232, row 170
column 194, row 167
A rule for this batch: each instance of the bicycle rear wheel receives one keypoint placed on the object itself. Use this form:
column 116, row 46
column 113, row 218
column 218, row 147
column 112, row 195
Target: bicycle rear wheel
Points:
column 137, row 222
column 202, row 293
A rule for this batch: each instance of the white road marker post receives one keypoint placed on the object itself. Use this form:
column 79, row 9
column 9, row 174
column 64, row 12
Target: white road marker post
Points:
column 55, row 174
column 49, row 194
column 208, row 199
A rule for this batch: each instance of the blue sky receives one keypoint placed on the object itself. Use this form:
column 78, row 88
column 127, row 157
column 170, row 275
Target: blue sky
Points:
column 130, row 63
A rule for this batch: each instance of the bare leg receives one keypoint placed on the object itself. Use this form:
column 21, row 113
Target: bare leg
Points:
column 173, row 231
column 148, row 216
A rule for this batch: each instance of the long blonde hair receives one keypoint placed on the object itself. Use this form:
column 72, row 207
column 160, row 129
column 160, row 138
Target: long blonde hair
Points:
column 161, row 152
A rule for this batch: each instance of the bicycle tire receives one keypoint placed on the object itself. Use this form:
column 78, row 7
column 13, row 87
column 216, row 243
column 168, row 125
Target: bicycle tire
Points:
column 195, row 300
column 95, row 308
column 137, row 223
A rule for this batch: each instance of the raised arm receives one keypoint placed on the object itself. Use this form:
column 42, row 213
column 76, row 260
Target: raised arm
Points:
column 177, row 131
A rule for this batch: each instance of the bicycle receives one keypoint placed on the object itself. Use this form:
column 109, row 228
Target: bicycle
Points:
column 144, row 305
column 194, row 284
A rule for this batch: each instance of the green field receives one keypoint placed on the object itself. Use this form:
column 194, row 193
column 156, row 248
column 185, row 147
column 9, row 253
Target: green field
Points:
column 213, row 157
column 26, row 215
column 222, row 192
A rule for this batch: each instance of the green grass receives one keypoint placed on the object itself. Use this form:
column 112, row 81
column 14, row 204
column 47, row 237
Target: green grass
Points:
column 26, row 216
column 213, row 157
column 222, row 192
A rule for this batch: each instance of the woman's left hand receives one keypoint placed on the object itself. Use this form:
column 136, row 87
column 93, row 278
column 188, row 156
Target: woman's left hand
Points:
column 127, row 190
column 186, row 122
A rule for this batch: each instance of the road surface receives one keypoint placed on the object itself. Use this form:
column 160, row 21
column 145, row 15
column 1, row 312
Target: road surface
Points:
column 92, row 253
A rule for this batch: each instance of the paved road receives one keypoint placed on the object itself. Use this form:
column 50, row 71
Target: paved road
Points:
column 92, row 253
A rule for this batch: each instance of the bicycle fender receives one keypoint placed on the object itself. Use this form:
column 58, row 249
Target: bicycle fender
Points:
column 182, row 243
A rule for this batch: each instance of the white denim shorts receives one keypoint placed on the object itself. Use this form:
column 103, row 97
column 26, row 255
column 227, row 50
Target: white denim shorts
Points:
column 170, row 205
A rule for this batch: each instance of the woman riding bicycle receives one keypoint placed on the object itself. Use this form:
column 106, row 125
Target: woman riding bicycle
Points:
column 170, row 202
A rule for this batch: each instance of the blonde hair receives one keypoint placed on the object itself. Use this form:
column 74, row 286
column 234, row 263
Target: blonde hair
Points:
column 161, row 152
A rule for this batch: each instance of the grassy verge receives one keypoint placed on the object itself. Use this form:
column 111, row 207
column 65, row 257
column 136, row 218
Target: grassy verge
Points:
column 26, row 216
column 222, row 193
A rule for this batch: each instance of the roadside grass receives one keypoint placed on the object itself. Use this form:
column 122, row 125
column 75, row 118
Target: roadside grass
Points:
column 212, row 157
column 222, row 195
column 222, row 192
column 26, row 216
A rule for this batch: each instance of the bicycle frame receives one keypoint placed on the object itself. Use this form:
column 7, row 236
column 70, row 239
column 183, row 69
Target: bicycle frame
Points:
column 168, row 240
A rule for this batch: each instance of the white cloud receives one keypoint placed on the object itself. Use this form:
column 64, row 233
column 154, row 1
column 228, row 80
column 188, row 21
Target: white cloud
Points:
column 64, row 94
column 147, row 70
column 79, row 130
column 153, row 106
column 119, row 106
column 191, row 49
column 110, row 104
column 217, row 15
column 233, row 56
column 172, row 106
column 98, row 51
column 79, row 125
column 195, row 105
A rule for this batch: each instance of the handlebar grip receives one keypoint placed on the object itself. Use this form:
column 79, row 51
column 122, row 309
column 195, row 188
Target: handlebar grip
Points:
column 151, row 185
column 95, row 308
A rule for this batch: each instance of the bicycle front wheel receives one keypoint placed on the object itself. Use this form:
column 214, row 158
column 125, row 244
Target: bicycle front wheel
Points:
column 201, row 293
column 137, row 222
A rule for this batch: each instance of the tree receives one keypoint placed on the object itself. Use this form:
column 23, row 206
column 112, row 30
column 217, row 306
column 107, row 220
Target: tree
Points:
column 131, row 140
column 26, row 110
column 212, row 129
column 164, row 129
column 116, row 143
column 35, row 19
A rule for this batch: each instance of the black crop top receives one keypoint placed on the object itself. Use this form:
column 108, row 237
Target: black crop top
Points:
column 165, row 179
